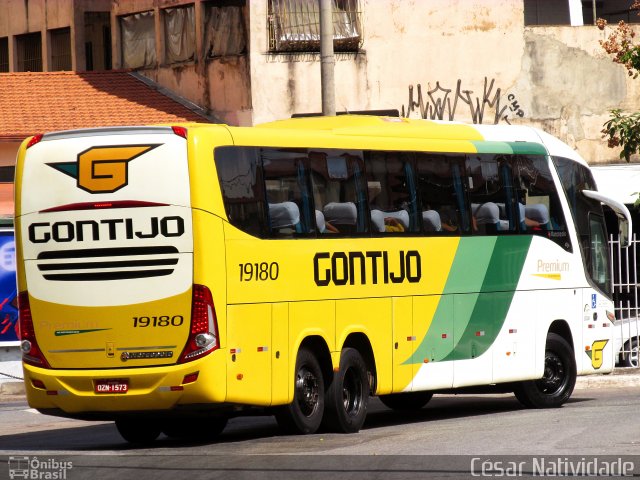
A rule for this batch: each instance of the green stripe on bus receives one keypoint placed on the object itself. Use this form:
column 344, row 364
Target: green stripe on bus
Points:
column 489, row 268
column 510, row 148
column 527, row 148
column 492, row 305
column 467, row 274
column 493, row 147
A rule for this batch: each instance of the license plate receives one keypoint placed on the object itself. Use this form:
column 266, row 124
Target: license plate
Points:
column 115, row 385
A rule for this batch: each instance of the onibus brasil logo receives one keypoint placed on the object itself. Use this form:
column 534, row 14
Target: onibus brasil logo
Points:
column 35, row 468
column 103, row 169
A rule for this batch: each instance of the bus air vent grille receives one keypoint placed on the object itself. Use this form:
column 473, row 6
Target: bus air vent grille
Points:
column 99, row 264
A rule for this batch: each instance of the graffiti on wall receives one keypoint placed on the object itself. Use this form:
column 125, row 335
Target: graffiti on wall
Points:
column 441, row 103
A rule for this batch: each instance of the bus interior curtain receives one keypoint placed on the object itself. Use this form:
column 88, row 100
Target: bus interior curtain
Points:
column 362, row 199
column 459, row 192
column 308, row 215
column 510, row 198
column 414, row 219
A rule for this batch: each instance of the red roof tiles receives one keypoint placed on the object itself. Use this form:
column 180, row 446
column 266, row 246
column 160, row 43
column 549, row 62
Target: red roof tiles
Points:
column 42, row 102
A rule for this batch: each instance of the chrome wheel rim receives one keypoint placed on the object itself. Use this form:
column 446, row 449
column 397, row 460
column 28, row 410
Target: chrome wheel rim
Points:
column 352, row 392
column 307, row 391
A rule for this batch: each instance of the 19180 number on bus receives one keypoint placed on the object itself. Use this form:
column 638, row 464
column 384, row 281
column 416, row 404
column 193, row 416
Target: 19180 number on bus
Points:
column 259, row 272
column 161, row 321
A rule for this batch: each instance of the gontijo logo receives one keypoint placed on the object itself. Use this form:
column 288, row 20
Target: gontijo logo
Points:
column 595, row 353
column 103, row 169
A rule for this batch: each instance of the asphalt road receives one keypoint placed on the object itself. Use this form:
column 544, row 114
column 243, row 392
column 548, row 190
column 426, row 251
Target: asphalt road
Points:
column 440, row 441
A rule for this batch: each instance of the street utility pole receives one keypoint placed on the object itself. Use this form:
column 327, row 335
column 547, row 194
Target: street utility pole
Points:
column 327, row 61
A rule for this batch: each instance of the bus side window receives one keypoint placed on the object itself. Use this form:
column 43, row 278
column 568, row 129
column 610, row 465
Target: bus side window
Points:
column 338, row 191
column 441, row 194
column 240, row 175
column 392, row 194
column 541, row 211
column 492, row 195
column 287, row 189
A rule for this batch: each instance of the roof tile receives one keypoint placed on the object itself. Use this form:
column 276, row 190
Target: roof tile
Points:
column 39, row 102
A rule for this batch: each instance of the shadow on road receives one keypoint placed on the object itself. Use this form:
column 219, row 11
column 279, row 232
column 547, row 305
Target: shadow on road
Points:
column 92, row 437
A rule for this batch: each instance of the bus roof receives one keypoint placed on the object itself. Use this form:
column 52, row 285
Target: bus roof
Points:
column 486, row 138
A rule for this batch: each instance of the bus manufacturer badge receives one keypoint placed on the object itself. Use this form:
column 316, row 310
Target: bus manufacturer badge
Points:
column 145, row 355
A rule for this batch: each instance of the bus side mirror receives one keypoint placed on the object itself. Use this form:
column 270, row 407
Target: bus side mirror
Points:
column 621, row 211
column 623, row 230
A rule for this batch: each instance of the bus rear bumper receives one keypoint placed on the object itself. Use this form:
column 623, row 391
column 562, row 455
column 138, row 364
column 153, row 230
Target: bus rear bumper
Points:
column 73, row 393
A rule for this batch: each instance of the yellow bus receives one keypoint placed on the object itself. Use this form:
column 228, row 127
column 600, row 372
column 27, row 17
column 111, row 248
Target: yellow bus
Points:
column 171, row 277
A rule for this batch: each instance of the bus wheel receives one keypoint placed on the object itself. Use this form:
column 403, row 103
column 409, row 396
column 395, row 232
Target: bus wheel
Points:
column 631, row 357
column 348, row 394
column 406, row 401
column 304, row 414
column 138, row 430
column 556, row 385
column 197, row 429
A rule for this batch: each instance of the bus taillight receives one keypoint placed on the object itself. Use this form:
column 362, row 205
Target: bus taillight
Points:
column 203, row 338
column 31, row 352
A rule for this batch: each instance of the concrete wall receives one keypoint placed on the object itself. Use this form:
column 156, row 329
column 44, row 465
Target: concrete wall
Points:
column 28, row 16
column 8, row 152
column 466, row 60
column 219, row 85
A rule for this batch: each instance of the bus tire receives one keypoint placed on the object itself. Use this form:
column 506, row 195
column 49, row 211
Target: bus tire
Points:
column 138, row 430
column 406, row 401
column 348, row 394
column 556, row 385
column 304, row 414
column 630, row 358
column 197, row 429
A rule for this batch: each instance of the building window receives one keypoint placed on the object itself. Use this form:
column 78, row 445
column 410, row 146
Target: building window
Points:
column 611, row 10
column 29, row 50
column 224, row 30
column 7, row 174
column 138, row 40
column 294, row 26
column 180, row 34
column 97, row 35
column 61, row 49
column 578, row 12
column 4, row 54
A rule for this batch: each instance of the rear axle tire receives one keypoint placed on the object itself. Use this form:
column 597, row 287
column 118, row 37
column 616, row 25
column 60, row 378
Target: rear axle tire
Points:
column 195, row 429
column 406, row 401
column 141, row 431
column 304, row 414
column 348, row 394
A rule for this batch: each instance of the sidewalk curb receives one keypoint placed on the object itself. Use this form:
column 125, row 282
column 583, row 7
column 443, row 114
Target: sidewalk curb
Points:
column 621, row 378
column 12, row 389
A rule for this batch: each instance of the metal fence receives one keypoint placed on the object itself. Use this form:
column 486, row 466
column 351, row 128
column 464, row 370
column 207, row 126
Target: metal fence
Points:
column 626, row 295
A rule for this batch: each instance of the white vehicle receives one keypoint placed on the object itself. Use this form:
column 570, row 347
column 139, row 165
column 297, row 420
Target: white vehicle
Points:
column 622, row 182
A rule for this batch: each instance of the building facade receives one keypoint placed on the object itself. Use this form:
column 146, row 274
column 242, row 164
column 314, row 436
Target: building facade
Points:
column 537, row 62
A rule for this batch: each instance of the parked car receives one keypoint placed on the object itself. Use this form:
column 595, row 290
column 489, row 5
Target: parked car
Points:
column 622, row 182
column 626, row 341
